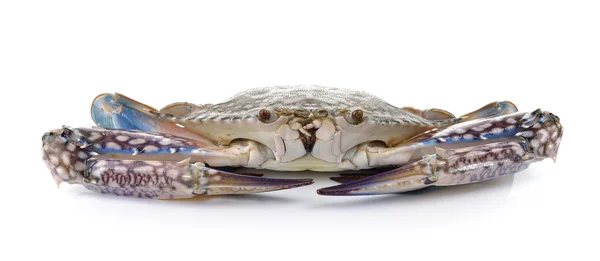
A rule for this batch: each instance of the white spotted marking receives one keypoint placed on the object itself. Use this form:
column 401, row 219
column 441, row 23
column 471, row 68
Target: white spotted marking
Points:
column 100, row 163
column 97, row 172
column 172, row 173
column 172, row 150
column 82, row 155
column 62, row 172
column 73, row 173
column 66, row 158
column 79, row 166
column 54, row 160
column 460, row 131
column 155, row 163
column 94, row 136
column 456, row 138
column 122, row 138
column 120, row 169
column 497, row 130
column 482, row 127
column 113, row 145
column 511, row 120
column 150, row 148
column 137, row 141
column 468, row 136
column 144, row 169
column 165, row 142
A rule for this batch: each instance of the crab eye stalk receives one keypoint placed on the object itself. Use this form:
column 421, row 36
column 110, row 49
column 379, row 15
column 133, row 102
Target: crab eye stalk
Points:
column 303, row 113
column 355, row 117
column 321, row 113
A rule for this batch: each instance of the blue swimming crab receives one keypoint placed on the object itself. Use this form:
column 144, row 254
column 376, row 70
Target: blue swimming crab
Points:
column 184, row 149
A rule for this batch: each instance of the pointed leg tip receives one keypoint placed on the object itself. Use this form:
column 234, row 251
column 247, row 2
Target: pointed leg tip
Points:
column 335, row 191
column 407, row 178
column 325, row 192
column 294, row 183
column 338, row 179
column 222, row 182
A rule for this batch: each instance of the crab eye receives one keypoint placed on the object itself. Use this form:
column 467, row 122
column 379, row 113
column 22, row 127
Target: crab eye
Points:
column 355, row 117
column 266, row 116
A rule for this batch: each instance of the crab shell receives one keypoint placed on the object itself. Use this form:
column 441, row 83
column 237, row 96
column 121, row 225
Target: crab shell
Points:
column 304, row 123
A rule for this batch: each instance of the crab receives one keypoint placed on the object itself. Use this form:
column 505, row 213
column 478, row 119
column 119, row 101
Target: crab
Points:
column 184, row 149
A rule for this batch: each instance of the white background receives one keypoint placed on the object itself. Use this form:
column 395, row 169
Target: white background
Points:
column 56, row 56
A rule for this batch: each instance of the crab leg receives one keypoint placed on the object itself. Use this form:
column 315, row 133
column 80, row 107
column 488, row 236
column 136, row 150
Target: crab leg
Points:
column 494, row 147
column 168, row 180
column 417, row 175
column 444, row 168
column 151, row 165
column 117, row 111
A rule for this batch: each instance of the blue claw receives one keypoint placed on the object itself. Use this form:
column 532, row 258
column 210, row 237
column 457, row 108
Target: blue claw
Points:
column 493, row 109
column 120, row 112
column 117, row 111
column 102, row 111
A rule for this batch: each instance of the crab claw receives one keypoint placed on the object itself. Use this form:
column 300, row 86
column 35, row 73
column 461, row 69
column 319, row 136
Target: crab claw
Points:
column 147, row 165
column 169, row 180
column 491, row 110
column 414, row 176
column 121, row 112
column 216, row 182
